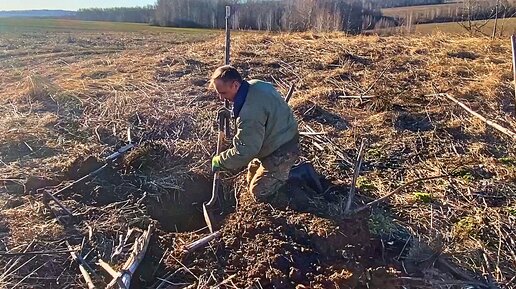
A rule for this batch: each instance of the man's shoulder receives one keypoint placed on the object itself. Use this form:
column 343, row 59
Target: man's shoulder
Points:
column 263, row 88
column 260, row 84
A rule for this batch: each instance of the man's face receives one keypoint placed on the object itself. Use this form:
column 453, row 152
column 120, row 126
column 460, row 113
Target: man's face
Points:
column 226, row 90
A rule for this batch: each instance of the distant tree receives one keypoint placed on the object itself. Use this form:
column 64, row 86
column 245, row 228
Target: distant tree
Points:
column 476, row 14
column 118, row 14
column 403, row 3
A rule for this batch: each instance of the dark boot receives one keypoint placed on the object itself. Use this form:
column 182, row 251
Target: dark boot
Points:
column 305, row 173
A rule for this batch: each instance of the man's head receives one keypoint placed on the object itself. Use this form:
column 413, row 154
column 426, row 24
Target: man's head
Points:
column 226, row 81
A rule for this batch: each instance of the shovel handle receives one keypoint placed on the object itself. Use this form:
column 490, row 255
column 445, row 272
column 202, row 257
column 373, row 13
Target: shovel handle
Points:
column 214, row 190
column 216, row 175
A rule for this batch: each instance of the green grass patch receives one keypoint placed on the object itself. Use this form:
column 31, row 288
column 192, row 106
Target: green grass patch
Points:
column 364, row 184
column 467, row 226
column 374, row 154
column 382, row 224
column 422, row 197
column 24, row 25
column 508, row 161
column 465, row 174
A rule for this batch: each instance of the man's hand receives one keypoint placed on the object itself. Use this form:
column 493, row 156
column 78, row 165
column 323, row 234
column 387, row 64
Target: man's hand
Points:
column 215, row 164
column 223, row 113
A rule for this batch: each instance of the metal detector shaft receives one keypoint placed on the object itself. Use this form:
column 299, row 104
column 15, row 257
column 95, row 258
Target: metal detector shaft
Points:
column 227, row 61
column 223, row 130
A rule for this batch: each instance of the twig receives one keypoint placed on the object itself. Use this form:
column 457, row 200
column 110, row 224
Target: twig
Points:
column 397, row 190
column 290, row 92
column 454, row 270
column 82, row 267
column 159, row 263
column 36, row 253
column 11, row 266
column 308, row 133
column 171, row 283
column 376, row 81
column 130, row 266
column 356, row 96
column 186, row 268
column 57, row 201
column 224, row 281
column 92, row 174
column 9, row 272
column 202, row 242
column 488, row 122
column 164, row 279
column 107, row 268
column 356, row 172
column 24, row 278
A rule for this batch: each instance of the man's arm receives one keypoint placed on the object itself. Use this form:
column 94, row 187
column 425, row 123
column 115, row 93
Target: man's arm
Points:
column 247, row 143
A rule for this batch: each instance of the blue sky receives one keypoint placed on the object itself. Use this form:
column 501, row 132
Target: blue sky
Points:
column 69, row 4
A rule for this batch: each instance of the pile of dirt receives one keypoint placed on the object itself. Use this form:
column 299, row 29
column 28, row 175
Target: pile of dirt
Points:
column 281, row 248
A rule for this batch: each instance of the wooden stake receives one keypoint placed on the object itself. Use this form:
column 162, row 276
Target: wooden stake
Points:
column 496, row 19
column 356, row 172
column 513, row 41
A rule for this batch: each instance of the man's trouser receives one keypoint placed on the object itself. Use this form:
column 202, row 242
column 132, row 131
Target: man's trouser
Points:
column 266, row 176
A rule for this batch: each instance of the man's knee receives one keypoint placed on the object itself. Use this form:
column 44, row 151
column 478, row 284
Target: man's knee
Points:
column 252, row 168
column 264, row 187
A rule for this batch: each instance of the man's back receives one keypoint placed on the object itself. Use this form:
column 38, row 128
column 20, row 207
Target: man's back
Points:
column 264, row 104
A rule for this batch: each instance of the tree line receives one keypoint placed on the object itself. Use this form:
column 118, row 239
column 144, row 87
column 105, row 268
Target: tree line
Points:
column 118, row 14
column 273, row 15
column 282, row 15
column 352, row 16
column 467, row 10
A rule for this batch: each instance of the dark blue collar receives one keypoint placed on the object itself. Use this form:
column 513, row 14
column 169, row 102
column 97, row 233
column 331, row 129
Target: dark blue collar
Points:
column 240, row 98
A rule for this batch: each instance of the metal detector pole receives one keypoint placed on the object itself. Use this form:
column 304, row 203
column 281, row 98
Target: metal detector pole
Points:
column 226, row 62
column 513, row 44
column 228, row 36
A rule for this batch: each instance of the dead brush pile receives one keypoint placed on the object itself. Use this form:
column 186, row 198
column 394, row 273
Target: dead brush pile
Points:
column 58, row 108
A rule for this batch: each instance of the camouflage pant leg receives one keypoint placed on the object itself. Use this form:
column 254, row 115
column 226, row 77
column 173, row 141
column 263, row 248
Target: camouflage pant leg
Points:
column 273, row 173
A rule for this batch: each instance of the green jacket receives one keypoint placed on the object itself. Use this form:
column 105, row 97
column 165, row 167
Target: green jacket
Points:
column 264, row 123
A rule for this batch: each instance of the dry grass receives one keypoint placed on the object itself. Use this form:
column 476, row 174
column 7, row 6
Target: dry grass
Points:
column 60, row 102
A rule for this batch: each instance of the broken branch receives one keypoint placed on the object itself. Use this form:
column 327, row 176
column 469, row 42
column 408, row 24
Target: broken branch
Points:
column 488, row 122
column 290, row 92
column 82, row 267
column 123, row 278
column 202, row 242
column 36, row 253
